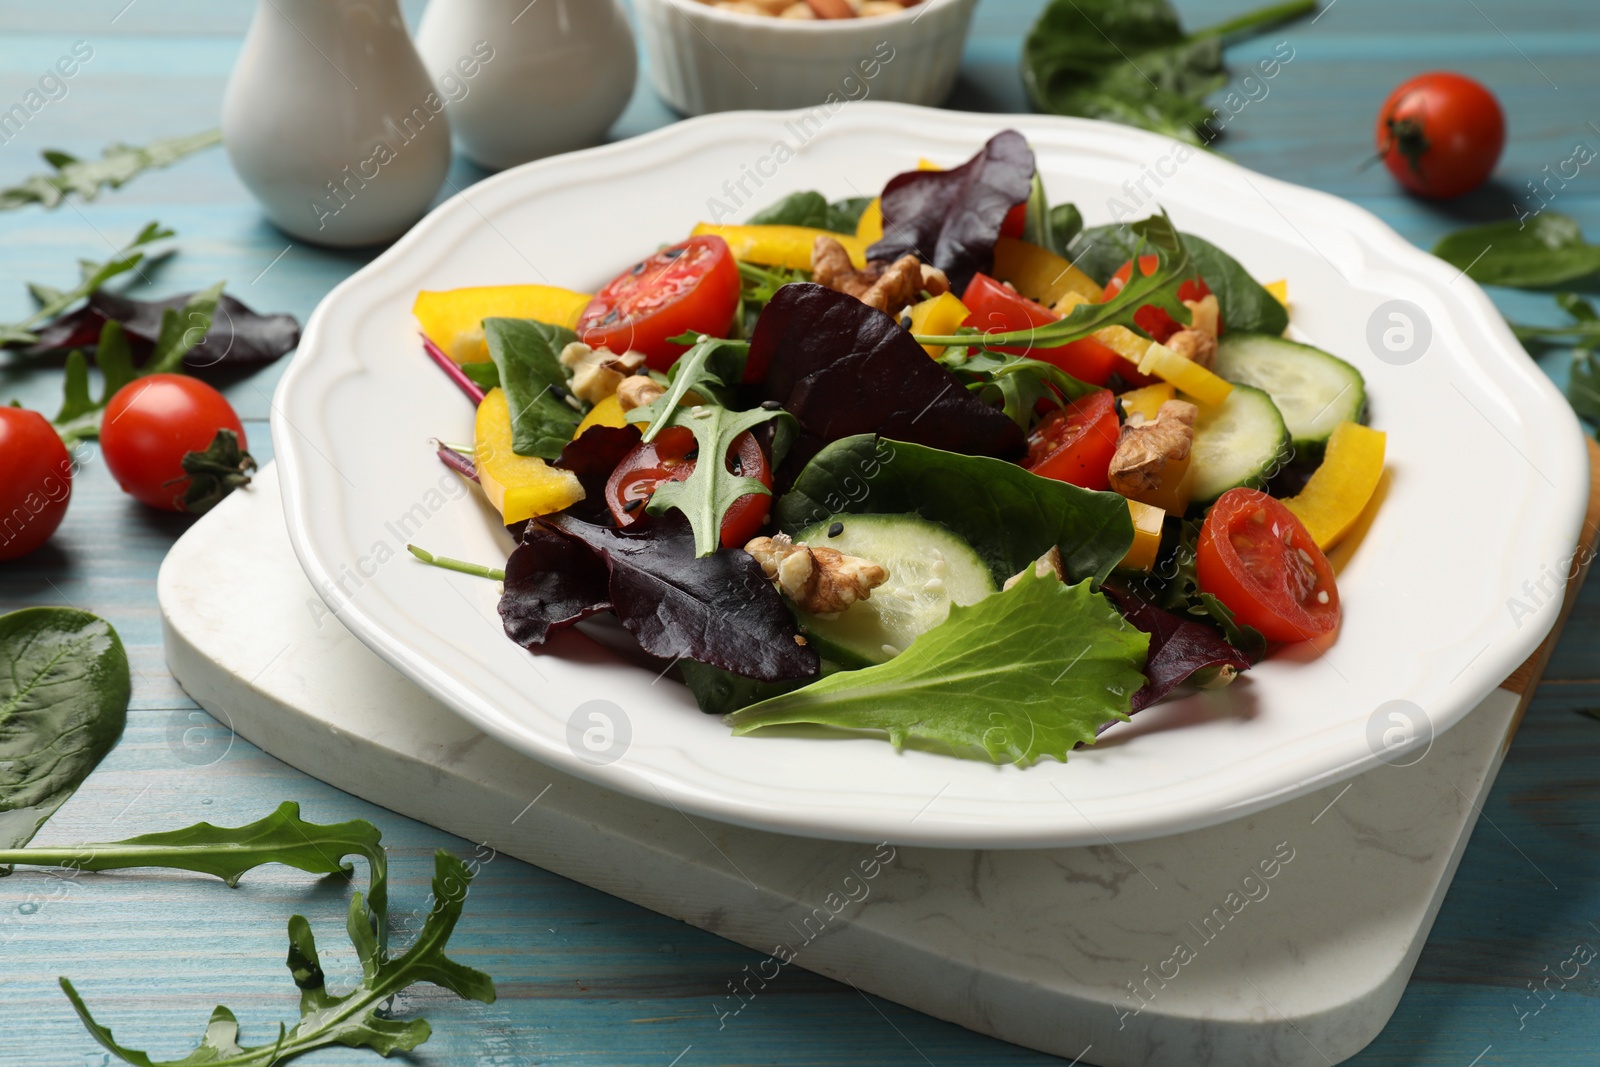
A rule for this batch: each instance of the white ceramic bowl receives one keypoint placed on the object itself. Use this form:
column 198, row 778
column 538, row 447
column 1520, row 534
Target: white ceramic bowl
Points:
column 704, row 59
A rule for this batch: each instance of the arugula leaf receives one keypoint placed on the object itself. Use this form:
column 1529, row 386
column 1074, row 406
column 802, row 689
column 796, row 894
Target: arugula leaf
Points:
column 231, row 852
column 1023, row 674
column 79, row 417
column 64, row 690
column 182, row 330
column 117, row 164
column 710, row 368
column 952, row 218
column 93, row 276
column 711, row 488
column 358, row 1019
column 1009, row 516
column 1549, row 250
column 1130, row 61
column 527, row 355
column 718, row 609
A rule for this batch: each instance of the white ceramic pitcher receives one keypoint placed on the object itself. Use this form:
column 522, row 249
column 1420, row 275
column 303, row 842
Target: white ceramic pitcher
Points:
column 561, row 72
column 332, row 122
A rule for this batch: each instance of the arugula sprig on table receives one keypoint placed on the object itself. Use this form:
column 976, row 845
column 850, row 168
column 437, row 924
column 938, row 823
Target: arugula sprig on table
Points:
column 356, row 1019
column 93, row 275
column 117, row 165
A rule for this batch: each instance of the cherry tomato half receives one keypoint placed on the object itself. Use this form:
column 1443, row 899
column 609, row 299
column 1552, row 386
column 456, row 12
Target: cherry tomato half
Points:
column 1151, row 319
column 671, row 458
column 1440, row 134
column 692, row 287
column 997, row 309
column 1075, row 443
column 35, row 481
column 1257, row 558
column 151, row 424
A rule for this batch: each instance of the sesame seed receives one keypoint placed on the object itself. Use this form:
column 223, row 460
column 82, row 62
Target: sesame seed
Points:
column 836, row 529
column 1322, row 596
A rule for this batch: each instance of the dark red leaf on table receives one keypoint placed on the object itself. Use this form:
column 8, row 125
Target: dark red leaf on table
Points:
column 239, row 337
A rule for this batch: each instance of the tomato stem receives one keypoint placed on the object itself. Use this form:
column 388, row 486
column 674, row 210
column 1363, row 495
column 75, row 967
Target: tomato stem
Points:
column 477, row 570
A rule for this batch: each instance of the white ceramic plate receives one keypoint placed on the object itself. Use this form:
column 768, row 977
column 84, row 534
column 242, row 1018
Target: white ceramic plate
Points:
column 1488, row 479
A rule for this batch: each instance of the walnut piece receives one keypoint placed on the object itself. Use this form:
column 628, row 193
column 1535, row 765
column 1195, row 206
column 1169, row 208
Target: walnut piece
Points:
column 1197, row 342
column 818, row 580
column 889, row 287
column 1144, row 450
column 1045, row 566
column 637, row 391
column 597, row 372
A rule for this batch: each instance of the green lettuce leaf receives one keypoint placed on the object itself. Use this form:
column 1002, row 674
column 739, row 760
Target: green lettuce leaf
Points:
column 528, row 357
column 1009, row 516
column 1021, row 675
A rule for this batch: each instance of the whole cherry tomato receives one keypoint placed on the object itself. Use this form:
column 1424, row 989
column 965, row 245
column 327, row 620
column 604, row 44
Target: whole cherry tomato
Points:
column 35, row 481
column 1440, row 134
column 151, row 424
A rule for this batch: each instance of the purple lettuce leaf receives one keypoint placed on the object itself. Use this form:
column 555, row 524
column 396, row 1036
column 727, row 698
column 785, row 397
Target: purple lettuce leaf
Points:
column 1178, row 647
column 951, row 218
column 551, row 582
column 843, row 368
column 592, row 456
column 718, row 609
column 239, row 337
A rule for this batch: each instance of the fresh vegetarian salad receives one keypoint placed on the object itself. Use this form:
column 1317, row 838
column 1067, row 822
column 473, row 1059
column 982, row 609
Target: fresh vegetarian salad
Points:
column 942, row 465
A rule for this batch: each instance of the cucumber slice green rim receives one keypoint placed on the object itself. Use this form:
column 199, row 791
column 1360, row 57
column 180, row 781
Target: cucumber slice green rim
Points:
column 1242, row 441
column 1314, row 391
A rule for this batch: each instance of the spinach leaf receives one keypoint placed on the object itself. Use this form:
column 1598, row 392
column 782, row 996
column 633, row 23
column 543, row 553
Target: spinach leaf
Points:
column 719, row 692
column 1584, row 329
column 1130, row 61
column 118, row 164
column 64, row 691
column 527, row 355
column 812, row 209
column 1009, row 516
column 843, row 368
column 1022, row 674
column 952, row 218
column 718, row 609
column 1583, row 386
column 1244, row 304
column 1549, row 250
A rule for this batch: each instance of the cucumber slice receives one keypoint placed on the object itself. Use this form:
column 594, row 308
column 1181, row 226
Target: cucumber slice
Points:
column 1314, row 391
column 929, row 568
column 1241, row 441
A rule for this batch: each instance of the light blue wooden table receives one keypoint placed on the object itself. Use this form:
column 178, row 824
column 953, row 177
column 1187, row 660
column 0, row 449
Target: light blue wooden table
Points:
column 583, row 978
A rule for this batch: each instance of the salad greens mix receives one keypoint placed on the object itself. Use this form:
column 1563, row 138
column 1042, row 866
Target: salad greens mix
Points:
column 941, row 466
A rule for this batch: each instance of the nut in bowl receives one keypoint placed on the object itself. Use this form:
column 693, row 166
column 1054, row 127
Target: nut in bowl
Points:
column 731, row 55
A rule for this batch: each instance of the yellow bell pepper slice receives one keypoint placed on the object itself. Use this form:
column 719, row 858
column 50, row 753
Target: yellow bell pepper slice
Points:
column 1279, row 290
column 519, row 487
column 1147, row 523
column 869, row 227
column 606, row 413
column 1150, row 357
column 1339, row 490
column 938, row 316
column 453, row 318
column 781, row 246
column 1148, row 400
column 1039, row 274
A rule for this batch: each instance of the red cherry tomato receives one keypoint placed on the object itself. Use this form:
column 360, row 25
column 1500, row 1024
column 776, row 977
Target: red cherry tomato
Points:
column 1151, row 319
column 1440, row 134
column 671, row 458
column 1075, row 443
column 997, row 309
column 692, row 287
column 151, row 424
column 1257, row 558
column 1016, row 221
column 35, row 481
